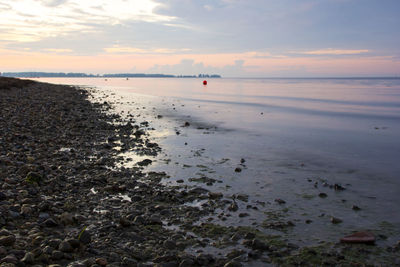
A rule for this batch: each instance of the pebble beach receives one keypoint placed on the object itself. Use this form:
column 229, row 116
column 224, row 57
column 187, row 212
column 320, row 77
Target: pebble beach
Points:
column 65, row 200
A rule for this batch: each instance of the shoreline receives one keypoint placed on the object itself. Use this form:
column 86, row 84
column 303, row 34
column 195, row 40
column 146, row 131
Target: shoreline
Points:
column 63, row 201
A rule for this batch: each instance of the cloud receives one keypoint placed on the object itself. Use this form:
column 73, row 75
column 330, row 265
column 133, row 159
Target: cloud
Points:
column 117, row 49
column 331, row 51
column 191, row 67
column 58, row 50
column 53, row 3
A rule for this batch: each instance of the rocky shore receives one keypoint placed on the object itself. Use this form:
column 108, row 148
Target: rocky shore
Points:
column 65, row 202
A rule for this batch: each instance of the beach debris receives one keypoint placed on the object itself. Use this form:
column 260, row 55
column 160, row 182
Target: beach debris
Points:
column 204, row 82
column 359, row 237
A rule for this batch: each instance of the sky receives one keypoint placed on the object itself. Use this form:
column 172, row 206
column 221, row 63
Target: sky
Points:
column 233, row 38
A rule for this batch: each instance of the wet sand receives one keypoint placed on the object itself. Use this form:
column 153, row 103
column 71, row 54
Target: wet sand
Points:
column 69, row 196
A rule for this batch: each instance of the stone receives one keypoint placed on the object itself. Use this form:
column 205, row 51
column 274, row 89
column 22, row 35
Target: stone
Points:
column 29, row 258
column 66, row 218
column 359, row 237
column 84, row 237
column 9, row 259
column 335, row 220
column 280, row 201
column 65, row 247
column 50, row 223
column 101, row 261
column 322, row 195
column 57, row 255
column 7, row 240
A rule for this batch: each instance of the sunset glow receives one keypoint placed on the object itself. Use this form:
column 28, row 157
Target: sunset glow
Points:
column 186, row 37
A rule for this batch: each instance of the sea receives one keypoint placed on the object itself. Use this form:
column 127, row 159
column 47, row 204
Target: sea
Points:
column 326, row 147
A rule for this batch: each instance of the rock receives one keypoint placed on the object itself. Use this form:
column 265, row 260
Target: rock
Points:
column 359, row 237
column 50, row 223
column 33, row 177
column 124, row 222
column 9, row 259
column 144, row 162
column 335, row 220
column 244, row 214
column 233, row 263
column 259, row 245
column 2, row 196
column 338, row 187
column 101, row 261
column 65, row 247
column 280, row 201
column 238, row 169
column 57, row 255
column 7, row 240
column 28, row 258
column 26, row 209
column 242, row 197
column 356, row 208
column 66, row 218
column 322, row 195
column 213, row 195
column 233, row 207
column 169, row 244
column 84, row 237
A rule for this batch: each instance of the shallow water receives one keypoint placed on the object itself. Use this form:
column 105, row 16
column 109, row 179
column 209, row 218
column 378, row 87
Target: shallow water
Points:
column 294, row 135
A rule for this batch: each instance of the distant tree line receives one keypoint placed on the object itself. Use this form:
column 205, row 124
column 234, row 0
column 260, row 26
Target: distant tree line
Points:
column 84, row 75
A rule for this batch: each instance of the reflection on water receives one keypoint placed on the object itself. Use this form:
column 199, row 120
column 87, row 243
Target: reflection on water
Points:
column 297, row 137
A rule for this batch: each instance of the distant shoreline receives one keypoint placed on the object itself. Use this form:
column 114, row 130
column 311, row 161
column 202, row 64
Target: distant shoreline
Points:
column 84, row 75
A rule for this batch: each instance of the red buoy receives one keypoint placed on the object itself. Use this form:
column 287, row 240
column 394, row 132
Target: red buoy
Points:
column 205, row 82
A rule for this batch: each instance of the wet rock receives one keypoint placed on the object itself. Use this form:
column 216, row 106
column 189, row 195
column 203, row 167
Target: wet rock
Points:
column 322, row 195
column 242, row 197
column 280, row 201
column 335, row 220
column 233, row 207
column 359, row 237
column 238, row 169
column 144, row 162
column 338, row 187
column 213, row 195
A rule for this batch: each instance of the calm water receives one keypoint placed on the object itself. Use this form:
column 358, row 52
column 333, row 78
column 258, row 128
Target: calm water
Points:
column 294, row 134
